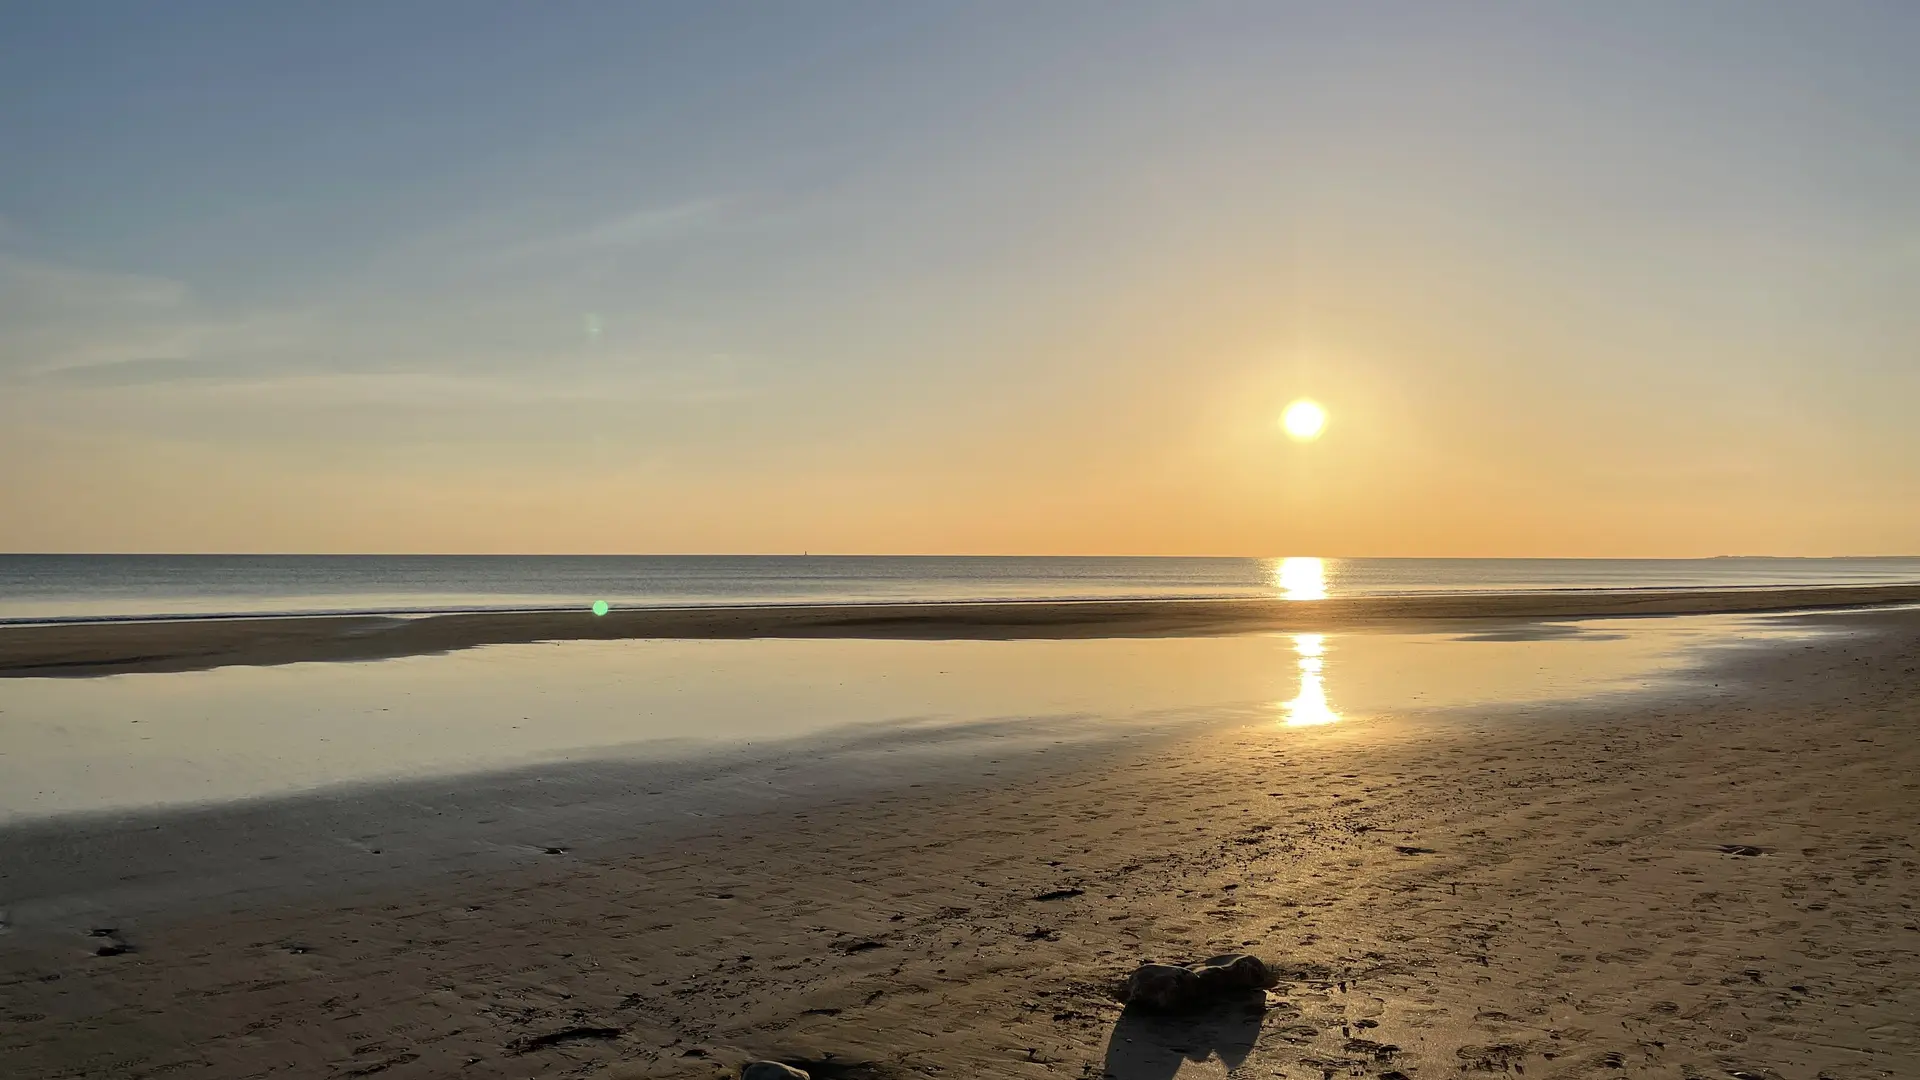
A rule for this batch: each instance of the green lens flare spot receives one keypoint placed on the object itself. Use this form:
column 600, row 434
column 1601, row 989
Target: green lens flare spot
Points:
column 599, row 607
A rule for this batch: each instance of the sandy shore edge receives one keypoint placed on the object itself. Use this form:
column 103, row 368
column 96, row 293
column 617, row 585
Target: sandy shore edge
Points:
column 105, row 648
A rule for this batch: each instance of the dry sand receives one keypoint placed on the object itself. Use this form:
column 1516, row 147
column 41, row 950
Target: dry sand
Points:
column 101, row 648
column 1719, row 885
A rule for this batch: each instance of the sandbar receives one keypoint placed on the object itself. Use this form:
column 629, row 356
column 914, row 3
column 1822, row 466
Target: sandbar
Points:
column 191, row 644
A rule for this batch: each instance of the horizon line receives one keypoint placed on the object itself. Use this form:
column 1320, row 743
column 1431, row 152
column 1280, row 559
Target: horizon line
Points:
column 893, row 555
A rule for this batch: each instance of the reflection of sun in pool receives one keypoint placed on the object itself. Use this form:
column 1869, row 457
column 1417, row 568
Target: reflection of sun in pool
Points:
column 1304, row 419
column 1302, row 578
column 1309, row 707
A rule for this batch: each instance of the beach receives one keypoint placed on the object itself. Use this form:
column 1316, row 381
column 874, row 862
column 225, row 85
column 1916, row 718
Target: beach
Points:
column 1715, row 881
column 1234, row 541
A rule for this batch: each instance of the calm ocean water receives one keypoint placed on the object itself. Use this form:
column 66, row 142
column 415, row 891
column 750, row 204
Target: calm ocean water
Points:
column 41, row 587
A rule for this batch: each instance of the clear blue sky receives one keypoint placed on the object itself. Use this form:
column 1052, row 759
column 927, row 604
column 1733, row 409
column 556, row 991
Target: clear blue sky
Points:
column 1602, row 279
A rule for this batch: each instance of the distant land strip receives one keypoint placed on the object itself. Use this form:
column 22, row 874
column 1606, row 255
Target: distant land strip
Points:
column 78, row 649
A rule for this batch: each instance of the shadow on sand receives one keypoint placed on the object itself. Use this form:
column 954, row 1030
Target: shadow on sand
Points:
column 1148, row 1045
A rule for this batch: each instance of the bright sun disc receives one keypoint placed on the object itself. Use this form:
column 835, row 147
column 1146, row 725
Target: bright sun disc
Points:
column 1304, row 419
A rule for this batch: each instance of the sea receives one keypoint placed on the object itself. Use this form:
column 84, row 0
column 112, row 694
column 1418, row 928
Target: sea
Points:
column 50, row 588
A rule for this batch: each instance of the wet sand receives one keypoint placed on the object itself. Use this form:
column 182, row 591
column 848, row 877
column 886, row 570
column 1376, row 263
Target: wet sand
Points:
column 1718, row 884
column 101, row 648
column 368, row 733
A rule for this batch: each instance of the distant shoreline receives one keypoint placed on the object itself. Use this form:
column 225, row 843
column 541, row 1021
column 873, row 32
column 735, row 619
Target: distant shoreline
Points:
column 81, row 649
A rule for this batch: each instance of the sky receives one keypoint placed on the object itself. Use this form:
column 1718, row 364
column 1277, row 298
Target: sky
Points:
column 1607, row 279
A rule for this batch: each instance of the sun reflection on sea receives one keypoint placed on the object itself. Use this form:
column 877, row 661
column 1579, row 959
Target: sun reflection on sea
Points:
column 1302, row 578
column 1309, row 707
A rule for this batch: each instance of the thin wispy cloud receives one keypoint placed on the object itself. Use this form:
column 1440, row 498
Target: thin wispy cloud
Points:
column 633, row 379
column 63, row 323
column 526, row 237
column 642, row 227
column 54, row 316
column 73, row 329
column 34, row 289
column 149, row 371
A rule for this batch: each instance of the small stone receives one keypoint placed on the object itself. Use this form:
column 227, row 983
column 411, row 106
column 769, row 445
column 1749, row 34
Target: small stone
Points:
column 772, row 1070
column 1162, row 986
column 1172, row 987
column 1234, row 971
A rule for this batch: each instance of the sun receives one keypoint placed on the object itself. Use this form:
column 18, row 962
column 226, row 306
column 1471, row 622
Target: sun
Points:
column 1304, row 419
